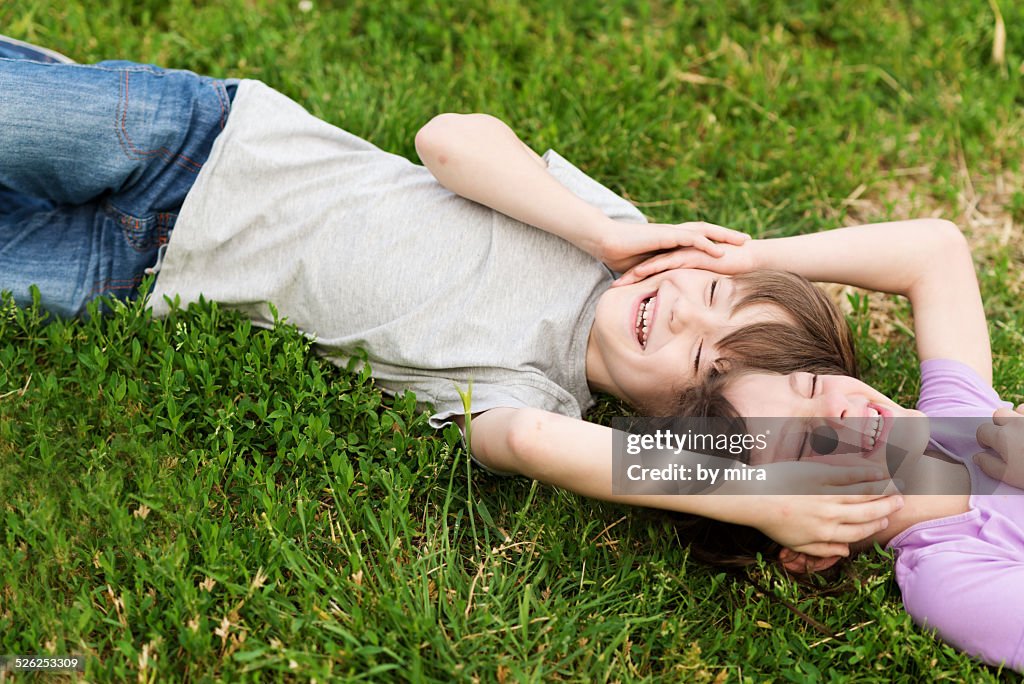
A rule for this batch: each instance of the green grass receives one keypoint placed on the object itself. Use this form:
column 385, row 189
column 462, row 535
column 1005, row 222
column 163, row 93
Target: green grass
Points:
column 193, row 499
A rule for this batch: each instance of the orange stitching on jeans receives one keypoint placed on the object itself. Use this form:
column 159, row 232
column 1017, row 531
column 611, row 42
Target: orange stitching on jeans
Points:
column 100, row 287
column 139, row 237
column 162, row 151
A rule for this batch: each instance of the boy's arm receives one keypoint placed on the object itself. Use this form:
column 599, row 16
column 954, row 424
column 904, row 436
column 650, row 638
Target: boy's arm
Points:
column 477, row 156
column 577, row 455
column 926, row 260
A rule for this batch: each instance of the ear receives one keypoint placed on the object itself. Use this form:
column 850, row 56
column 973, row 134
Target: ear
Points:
column 804, row 564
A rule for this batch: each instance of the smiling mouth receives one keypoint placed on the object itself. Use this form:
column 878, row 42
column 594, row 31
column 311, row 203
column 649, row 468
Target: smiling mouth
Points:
column 643, row 320
column 874, row 429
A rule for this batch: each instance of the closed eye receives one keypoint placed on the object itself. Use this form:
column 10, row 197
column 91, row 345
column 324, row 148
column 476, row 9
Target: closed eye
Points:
column 807, row 431
column 803, row 444
column 711, row 302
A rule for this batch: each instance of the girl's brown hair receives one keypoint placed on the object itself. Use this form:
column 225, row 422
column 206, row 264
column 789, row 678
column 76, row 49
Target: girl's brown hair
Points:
column 711, row 541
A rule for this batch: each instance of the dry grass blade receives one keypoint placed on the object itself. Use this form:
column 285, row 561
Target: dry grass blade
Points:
column 999, row 37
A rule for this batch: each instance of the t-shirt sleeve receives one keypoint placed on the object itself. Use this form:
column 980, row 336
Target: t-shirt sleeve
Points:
column 951, row 388
column 522, row 392
column 972, row 600
column 956, row 401
column 590, row 191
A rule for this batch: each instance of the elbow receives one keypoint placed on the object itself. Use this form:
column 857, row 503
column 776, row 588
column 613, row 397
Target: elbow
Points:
column 449, row 137
column 946, row 238
column 944, row 256
column 442, row 138
column 951, row 248
column 525, row 435
column 435, row 137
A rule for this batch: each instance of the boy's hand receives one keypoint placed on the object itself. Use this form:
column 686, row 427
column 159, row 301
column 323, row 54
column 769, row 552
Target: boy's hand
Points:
column 818, row 509
column 730, row 259
column 1005, row 436
column 624, row 246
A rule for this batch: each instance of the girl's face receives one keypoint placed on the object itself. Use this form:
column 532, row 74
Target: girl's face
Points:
column 654, row 338
column 864, row 422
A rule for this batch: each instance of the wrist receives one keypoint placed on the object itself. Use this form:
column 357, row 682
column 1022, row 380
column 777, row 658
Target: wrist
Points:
column 600, row 236
column 761, row 252
column 728, row 503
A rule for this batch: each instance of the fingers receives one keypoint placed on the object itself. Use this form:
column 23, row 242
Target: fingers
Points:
column 995, row 437
column 1004, row 415
column 1020, row 408
column 719, row 233
column 655, row 264
column 861, row 531
column 705, row 245
column 987, row 433
column 870, row 511
column 803, row 563
column 993, row 466
column 862, row 497
column 872, row 490
column 821, row 564
column 839, row 475
column 821, row 549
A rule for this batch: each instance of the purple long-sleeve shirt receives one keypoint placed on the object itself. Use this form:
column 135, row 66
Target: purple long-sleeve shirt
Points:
column 963, row 575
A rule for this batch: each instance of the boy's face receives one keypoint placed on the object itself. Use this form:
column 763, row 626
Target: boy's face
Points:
column 859, row 420
column 652, row 339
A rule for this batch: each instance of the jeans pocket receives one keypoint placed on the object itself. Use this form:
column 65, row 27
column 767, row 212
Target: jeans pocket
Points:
column 146, row 233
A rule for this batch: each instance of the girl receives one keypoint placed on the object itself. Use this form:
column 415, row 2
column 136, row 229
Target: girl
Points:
column 959, row 540
column 231, row 191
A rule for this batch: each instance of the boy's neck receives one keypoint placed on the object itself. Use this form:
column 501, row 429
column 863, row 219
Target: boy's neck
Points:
column 596, row 371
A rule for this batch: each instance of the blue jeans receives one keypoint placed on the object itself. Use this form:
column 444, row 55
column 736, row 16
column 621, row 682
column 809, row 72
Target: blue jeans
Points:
column 95, row 162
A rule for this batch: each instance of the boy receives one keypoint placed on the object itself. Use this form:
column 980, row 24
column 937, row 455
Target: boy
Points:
column 439, row 273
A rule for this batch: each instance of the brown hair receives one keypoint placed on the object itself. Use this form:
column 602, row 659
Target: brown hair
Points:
column 711, row 541
column 817, row 340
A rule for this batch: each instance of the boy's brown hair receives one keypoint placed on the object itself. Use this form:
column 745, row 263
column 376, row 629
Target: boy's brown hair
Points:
column 818, row 340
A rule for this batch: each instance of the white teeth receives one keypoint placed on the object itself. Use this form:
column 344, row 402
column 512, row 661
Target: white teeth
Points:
column 643, row 316
column 874, row 427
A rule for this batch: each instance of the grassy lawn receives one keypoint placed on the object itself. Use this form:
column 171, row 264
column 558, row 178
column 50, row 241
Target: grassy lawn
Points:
column 193, row 499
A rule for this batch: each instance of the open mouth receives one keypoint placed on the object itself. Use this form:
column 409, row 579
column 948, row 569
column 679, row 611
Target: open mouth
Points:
column 644, row 318
column 873, row 429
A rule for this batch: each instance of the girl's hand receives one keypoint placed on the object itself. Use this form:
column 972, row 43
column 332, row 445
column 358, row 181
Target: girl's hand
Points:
column 1005, row 436
column 731, row 259
column 816, row 508
column 622, row 246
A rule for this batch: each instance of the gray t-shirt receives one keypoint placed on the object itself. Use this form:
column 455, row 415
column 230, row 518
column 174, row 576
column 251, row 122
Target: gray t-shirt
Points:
column 360, row 248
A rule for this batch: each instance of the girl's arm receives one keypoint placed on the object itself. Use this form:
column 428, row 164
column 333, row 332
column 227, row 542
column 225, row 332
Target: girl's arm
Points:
column 926, row 260
column 480, row 158
column 577, row 455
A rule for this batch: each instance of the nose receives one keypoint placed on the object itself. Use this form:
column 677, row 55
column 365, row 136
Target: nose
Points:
column 693, row 315
column 842, row 406
column 835, row 405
